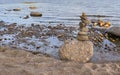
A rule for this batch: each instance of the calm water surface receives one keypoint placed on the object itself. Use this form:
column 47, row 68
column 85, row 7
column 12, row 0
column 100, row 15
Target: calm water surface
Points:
column 60, row 11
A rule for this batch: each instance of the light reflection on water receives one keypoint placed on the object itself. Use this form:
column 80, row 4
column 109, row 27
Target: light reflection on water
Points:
column 60, row 11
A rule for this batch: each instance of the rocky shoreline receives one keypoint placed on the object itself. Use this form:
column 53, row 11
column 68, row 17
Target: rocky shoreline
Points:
column 33, row 50
column 48, row 39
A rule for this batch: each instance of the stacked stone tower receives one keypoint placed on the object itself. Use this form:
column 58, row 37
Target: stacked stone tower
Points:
column 82, row 35
column 80, row 49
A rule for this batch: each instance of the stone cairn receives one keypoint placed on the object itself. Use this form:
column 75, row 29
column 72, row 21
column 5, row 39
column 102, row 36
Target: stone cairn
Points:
column 82, row 35
column 80, row 49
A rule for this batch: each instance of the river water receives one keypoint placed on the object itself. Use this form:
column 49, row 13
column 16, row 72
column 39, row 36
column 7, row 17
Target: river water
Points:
column 60, row 11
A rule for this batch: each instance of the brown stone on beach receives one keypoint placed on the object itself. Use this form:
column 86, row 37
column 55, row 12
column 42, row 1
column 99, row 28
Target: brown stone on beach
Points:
column 81, row 24
column 84, row 29
column 81, row 51
column 82, row 36
column 84, row 19
column 36, row 14
column 101, row 23
column 114, row 31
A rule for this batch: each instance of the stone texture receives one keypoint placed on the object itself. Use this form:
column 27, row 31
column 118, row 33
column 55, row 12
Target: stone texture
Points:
column 81, row 49
column 114, row 31
column 82, row 35
column 83, row 38
column 75, row 50
column 84, row 29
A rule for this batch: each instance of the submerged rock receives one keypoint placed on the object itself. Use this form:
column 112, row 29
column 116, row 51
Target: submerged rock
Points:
column 32, row 7
column 36, row 14
column 81, row 51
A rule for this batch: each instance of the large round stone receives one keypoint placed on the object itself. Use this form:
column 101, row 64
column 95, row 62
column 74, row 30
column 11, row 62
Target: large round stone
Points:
column 114, row 31
column 81, row 51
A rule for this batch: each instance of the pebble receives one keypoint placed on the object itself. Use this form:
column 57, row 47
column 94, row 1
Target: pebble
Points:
column 16, row 9
column 26, row 17
column 82, row 33
column 60, row 35
column 83, row 38
column 36, row 14
column 32, row 7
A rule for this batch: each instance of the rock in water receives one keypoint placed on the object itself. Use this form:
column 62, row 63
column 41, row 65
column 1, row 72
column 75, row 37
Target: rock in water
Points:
column 16, row 9
column 36, row 14
column 32, row 7
column 114, row 31
column 81, row 51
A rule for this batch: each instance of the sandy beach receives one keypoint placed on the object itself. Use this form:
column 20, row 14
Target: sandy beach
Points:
column 21, row 62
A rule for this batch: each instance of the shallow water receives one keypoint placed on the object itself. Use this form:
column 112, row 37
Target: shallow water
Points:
column 60, row 11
